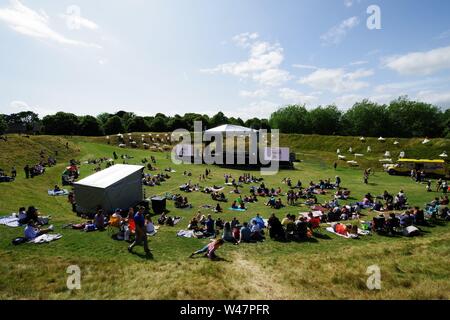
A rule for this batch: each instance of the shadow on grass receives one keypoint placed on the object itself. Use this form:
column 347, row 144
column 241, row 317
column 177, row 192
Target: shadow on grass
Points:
column 145, row 256
column 322, row 236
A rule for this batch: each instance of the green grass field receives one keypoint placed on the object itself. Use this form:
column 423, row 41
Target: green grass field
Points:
column 328, row 267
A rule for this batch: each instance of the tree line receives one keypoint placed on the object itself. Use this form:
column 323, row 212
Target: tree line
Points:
column 401, row 118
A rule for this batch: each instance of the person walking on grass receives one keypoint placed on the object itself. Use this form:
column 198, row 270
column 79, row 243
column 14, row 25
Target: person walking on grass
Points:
column 140, row 233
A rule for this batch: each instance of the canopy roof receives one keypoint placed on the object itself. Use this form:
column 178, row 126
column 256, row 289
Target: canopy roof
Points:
column 109, row 176
column 230, row 128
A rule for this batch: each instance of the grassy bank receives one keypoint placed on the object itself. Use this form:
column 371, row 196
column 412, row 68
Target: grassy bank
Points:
column 327, row 267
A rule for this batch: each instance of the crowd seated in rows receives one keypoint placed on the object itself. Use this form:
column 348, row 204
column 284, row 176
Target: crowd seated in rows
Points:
column 309, row 197
column 291, row 228
column 263, row 191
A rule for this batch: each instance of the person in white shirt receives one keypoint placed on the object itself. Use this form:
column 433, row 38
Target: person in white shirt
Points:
column 32, row 232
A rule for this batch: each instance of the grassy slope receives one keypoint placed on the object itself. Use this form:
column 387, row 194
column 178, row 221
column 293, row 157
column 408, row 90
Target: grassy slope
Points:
column 328, row 267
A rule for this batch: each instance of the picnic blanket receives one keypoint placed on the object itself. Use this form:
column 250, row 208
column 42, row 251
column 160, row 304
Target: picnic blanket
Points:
column 10, row 221
column 237, row 209
column 45, row 238
column 351, row 236
column 58, row 193
column 318, row 208
column 185, row 233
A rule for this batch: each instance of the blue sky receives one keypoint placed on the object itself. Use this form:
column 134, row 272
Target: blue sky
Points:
column 245, row 57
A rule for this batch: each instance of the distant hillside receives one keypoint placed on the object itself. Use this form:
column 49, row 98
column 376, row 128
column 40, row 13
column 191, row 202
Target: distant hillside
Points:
column 327, row 146
column 307, row 147
column 22, row 150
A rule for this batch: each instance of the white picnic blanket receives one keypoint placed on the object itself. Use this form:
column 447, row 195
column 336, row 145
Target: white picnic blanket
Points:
column 58, row 193
column 10, row 221
column 45, row 238
column 186, row 233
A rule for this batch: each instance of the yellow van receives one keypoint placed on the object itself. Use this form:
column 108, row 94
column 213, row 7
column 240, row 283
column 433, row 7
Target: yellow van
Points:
column 430, row 167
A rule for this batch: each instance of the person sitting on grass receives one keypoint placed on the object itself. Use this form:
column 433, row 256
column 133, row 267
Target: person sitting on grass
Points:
column 392, row 224
column 245, row 233
column 256, row 233
column 210, row 224
column 219, row 224
column 313, row 222
column 210, row 249
column 32, row 232
column 301, row 227
column 260, row 221
column 193, row 224
column 234, row 222
column 275, row 228
column 286, row 220
column 22, row 215
column 234, row 205
column 149, row 226
column 30, row 215
column 218, row 208
column 227, row 234
column 99, row 220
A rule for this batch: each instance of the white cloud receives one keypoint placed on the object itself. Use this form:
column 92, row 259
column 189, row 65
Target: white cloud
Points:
column 260, row 93
column 272, row 77
column 304, row 66
column 359, row 63
column 79, row 22
column 296, row 97
column 347, row 101
column 337, row 33
column 35, row 24
column 439, row 98
column 19, row 106
column 420, row 63
column 263, row 64
column 401, row 88
column 259, row 109
column 337, row 80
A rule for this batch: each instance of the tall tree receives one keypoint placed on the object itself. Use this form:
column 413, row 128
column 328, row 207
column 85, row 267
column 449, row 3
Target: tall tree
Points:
column 114, row 125
column 138, row 124
column 291, row 119
column 90, row 126
column 158, row 125
column 415, row 119
column 366, row 118
column 325, row 121
column 3, row 124
column 61, row 123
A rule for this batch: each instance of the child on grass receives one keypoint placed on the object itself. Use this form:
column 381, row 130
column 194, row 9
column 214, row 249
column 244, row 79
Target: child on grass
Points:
column 210, row 249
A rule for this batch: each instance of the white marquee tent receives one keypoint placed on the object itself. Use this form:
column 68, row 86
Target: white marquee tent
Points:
column 230, row 128
column 119, row 186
